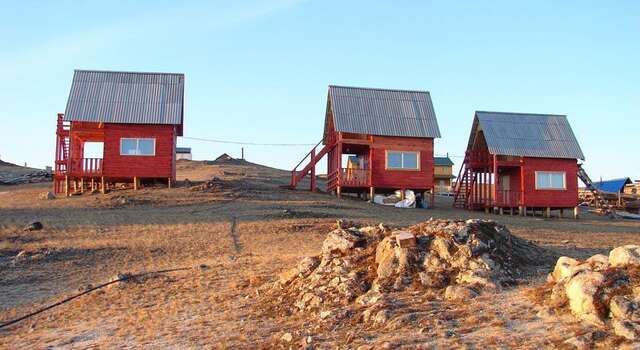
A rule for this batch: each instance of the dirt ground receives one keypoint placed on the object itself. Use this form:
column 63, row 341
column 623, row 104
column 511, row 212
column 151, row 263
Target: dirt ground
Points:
column 231, row 239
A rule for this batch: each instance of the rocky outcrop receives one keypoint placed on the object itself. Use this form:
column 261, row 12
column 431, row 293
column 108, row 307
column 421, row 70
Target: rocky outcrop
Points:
column 363, row 266
column 601, row 290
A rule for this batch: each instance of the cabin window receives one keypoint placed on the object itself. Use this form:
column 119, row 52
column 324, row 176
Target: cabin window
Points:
column 399, row 160
column 550, row 180
column 137, row 147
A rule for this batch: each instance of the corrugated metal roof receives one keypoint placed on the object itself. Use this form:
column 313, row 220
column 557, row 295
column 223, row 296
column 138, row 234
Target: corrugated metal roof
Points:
column 613, row 185
column 382, row 112
column 442, row 161
column 527, row 135
column 126, row 97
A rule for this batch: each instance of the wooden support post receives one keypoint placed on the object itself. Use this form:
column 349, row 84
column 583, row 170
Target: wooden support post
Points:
column 511, row 211
column 561, row 212
column 524, row 212
column 520, row 211
column 93, row 184
column 548, row 213
column 575, row 212
column 135, row 183
column 432, row 199
column 102, row 184
column 372, row 193
column 66, row 185
column 401, row 194
column 501, row 211
column 170, row 182
column 82, row 185
column 486, row 210
column 338, row 192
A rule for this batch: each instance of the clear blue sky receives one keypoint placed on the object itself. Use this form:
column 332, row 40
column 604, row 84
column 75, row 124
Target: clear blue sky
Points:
column 258, row 71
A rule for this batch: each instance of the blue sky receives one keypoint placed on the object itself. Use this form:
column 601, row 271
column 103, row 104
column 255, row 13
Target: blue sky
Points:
column 258, row 71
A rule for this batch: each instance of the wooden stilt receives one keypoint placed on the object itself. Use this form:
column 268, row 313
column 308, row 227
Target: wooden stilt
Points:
column 169, row 183
column 524, row 212
column 401, row 194
column 501, row 211
column 520, row 211
column 432, row 199
column 338, row 192
column 102, row 184
column 135, row 183
column 575, row 212
column 66, row 185
column 548, row 214
column 82, row 185
column 372, row 193
column 511, row 211
column 561, row 212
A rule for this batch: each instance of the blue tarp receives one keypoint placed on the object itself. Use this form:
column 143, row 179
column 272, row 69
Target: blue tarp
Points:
column 614, row 185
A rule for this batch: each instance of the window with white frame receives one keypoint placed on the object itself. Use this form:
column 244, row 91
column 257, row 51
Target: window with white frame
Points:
column 403, row 160
column 550, row 180
column 137, row 147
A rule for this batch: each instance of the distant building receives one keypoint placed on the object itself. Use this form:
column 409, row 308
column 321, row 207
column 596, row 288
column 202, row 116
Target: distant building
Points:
column 224, row 157
column 443, row 174
column 613, row 185
column 183, row 153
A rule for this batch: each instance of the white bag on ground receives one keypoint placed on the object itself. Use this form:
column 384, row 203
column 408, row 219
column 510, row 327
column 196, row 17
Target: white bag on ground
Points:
column 409, row 200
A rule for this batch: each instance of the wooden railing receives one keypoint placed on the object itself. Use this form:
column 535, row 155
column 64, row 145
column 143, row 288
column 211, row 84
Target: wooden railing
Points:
column 507, row 198
column 86, row 167
column 355, row 177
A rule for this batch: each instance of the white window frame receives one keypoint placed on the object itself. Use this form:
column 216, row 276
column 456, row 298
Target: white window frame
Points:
column 137, row 139
column 564, row 180
column 402, row 167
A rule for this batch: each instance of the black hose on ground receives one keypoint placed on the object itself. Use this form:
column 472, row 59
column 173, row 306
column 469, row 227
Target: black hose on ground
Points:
column 89, row 290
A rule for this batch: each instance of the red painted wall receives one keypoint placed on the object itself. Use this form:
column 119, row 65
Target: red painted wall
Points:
column 397, row 179
column 162, row 165
column 550, row 198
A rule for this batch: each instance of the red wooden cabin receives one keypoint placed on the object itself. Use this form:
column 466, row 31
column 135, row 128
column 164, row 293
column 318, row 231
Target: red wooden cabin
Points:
column 375, row 139
column 135, row 116
column 519, row 162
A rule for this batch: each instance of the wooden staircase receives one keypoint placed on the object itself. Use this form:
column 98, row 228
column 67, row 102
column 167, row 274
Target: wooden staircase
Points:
column 62, row 154
column 464, row 184
column 597, row 194
column 313, row 157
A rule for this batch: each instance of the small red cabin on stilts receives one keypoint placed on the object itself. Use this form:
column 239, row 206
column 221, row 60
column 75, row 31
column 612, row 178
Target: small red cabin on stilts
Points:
column 523, row 162
column 135, row 116
column 375, row 139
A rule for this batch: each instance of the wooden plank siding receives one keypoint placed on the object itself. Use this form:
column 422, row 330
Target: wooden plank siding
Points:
column 550, row 198
column 409, row 179
column 162, row 165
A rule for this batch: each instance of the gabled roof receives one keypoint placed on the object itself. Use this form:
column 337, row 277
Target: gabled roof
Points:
column 613, row 185
column 126, row 97
column 442, row 161
column 381, row 112
column 526, row 135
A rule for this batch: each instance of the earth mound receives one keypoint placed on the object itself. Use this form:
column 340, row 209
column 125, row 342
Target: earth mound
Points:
column 360, row 267
column 603, row 291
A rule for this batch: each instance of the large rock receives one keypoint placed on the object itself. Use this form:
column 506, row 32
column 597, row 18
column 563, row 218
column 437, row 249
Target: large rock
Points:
column 628, row 255
column 304, row 267
column 623, row 307
column 582, row 292
column 393, row 260
column 341, row 241
column 564, row 268
column 626, row 329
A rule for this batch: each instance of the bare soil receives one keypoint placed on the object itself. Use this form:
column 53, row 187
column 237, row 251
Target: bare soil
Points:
column 234, row 238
